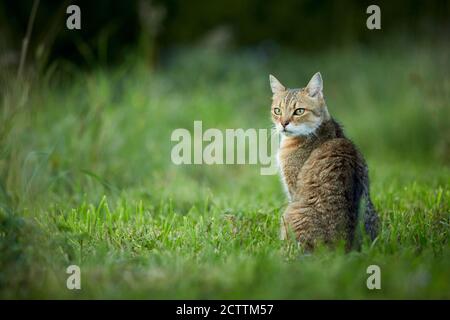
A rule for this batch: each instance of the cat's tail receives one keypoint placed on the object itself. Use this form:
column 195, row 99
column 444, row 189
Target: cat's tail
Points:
column 371, row 220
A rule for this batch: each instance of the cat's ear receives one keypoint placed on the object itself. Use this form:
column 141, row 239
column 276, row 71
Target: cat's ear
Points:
column 276, row 85
column 315, row 86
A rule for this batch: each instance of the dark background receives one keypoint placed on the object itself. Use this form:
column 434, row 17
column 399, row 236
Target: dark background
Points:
column 111, row 28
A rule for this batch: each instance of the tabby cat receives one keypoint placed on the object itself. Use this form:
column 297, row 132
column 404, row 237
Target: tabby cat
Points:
column 324, row 174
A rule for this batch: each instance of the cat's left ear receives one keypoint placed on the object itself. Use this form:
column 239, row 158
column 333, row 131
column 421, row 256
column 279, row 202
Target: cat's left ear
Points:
column 276, row 85
column 315, row 86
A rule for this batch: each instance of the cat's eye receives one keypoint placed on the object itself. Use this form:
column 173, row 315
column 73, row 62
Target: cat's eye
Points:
column 299, row 111
column 277, row 111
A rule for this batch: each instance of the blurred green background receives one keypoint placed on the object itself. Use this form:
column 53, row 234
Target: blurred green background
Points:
column 85, row 170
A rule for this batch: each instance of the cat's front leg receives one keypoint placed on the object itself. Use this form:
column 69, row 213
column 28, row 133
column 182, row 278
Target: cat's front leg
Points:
column 283, row 229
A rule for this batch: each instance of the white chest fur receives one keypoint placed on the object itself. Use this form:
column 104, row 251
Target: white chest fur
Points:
column 282, row 175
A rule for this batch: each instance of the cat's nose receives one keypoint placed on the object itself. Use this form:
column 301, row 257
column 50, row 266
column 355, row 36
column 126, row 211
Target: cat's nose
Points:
column 285, row 123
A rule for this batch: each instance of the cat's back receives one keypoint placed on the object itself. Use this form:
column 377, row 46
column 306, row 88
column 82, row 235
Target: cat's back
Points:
column 334, row 168
column 341, row 149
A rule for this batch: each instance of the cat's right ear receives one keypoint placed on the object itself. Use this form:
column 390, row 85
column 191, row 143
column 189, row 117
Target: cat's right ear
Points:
column 315, row 86
column 276, row 85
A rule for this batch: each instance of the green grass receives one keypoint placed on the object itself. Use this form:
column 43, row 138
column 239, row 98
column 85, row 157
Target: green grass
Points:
column 86, row 179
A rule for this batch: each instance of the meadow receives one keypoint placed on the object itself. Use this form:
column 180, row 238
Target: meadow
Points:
column 86, row 177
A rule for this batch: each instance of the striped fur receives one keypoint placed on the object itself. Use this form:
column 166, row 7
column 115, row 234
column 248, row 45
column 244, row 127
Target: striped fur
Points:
column 325, row 176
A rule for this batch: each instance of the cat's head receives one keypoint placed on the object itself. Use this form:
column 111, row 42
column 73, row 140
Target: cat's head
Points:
column 298, row 112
